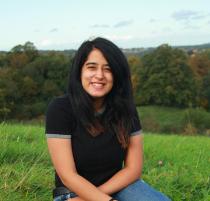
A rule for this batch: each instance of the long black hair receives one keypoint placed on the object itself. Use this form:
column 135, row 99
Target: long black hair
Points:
column 117, row 117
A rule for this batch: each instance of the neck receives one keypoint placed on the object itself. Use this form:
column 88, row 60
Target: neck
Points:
column 98, row 104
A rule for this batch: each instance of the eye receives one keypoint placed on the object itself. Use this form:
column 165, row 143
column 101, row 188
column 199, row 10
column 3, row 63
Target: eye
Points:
column 91, row 67
column 107, row 68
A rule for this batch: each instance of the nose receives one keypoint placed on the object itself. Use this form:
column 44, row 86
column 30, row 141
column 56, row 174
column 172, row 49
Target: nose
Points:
column 99, row 73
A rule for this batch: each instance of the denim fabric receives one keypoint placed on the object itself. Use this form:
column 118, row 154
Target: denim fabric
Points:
column 65, row 197
column 137, row 191
column 140, row 191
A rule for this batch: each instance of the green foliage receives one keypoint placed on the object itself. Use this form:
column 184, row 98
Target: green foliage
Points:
column 174, row 120
column 30, row 81
column 166, row 79
column 28, row 49
column 198, row 118
column 164, row 76
column 206, row 90
column 135, row 68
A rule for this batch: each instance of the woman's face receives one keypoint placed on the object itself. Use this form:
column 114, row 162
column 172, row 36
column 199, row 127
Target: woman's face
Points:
column 96, row 76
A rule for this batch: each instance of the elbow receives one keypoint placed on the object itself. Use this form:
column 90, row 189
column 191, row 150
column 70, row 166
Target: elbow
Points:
column 137, row 170
column 134, row 173
column 137, row 174
column 67, row 178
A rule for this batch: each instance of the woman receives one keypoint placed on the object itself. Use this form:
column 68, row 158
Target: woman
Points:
column 94, row 129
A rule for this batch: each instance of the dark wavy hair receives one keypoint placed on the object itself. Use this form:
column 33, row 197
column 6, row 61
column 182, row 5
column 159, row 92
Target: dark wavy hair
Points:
column 117, row 117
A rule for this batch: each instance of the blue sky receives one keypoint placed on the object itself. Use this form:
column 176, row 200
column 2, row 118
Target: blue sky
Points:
column 64, row 24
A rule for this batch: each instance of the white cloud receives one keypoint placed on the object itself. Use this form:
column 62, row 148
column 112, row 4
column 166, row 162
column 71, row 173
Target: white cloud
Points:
column 188, row 15
column 99, row 26
column 45, row 42
column 123, row 23
column 118, row 37
column 54, row 30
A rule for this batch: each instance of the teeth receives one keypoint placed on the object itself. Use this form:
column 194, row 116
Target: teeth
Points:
column 97, row 85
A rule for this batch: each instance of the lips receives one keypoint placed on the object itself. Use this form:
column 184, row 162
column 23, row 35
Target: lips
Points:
column 97, row 85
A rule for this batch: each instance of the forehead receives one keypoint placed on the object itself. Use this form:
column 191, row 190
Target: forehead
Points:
column 96, row 56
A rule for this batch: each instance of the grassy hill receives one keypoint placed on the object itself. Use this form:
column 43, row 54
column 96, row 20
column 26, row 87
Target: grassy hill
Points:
column 176, row 165
column 189, row 121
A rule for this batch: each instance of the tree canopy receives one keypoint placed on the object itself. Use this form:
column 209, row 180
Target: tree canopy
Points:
column 165, row 76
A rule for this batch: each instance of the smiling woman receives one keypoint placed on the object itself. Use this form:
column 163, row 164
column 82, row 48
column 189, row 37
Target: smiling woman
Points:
column 96, row 77
column 94, row 129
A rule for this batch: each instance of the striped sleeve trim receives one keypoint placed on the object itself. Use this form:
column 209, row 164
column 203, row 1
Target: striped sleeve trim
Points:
column 136, row 133
column 51, row 135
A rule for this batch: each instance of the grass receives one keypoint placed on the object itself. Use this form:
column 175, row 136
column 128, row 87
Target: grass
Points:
column 161, row 119
column 176, row 165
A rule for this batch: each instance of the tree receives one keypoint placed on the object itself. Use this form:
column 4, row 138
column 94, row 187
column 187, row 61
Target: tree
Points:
column 20, row 55
column 29, row 80
column 205, row 91
column 166, row 79
column 135, row 67
column 200, row 64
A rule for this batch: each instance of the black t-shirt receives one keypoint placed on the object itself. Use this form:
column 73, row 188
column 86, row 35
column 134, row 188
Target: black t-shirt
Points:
column 96, row 158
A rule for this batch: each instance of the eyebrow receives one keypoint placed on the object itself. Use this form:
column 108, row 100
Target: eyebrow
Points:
column 94, row 63
column 91, row 63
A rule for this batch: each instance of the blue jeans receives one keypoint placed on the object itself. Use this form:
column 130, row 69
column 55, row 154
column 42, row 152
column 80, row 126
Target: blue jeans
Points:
column 137, row 191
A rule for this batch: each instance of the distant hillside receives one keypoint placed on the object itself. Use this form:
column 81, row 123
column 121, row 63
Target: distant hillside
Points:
column 134, row 51
column 186, row 48
column 198, row 47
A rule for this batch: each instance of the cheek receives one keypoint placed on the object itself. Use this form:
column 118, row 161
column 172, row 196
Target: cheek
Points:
column 84, row 77
column 111, row 79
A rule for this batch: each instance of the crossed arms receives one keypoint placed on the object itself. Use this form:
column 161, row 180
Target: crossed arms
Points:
column 62, row 157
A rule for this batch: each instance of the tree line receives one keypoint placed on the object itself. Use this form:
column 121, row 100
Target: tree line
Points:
column 166, row 76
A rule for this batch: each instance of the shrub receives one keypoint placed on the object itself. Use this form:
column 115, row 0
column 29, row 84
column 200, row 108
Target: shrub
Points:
column 197, row 118
column 150, row 124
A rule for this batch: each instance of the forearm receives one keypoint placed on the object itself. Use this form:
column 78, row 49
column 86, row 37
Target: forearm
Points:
column 120, row 180
column 84, row 189
column 133, row 165
column 117, row 182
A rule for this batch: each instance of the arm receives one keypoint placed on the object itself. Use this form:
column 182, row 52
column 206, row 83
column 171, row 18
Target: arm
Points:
column 62, row 158
column 132, row 168
column 131, row 171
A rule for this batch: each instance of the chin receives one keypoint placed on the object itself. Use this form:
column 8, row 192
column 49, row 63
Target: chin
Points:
column 97, row 96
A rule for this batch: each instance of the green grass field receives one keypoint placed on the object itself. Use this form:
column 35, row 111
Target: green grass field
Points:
column 179, row 166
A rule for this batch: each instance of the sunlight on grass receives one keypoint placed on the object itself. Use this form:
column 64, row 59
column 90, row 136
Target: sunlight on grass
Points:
column 176, row 165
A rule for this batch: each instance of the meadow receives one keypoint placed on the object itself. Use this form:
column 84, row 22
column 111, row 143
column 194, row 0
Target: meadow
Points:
column 179, row 166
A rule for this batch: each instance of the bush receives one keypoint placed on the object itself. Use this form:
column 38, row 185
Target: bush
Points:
column 171, row 127
column 150, row 124
column 197, row 118
column 169, row 120
column 31, row 111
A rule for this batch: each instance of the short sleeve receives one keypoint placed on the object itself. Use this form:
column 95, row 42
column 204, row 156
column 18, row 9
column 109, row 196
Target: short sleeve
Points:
column 136, row 128
column 57, row 120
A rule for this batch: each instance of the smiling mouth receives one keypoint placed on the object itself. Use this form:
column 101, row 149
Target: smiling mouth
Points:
column 98, row 85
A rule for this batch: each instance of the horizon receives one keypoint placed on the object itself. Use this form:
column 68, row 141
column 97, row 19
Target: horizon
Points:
column 179, row 46
column 130, row 24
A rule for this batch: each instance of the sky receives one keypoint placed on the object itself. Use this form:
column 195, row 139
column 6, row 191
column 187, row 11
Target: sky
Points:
column 65, row 24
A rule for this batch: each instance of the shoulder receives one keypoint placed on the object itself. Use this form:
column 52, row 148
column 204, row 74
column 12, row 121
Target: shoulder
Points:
column 59, row 118
column 136, row 127
column 59, row 105
column 59, row 102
